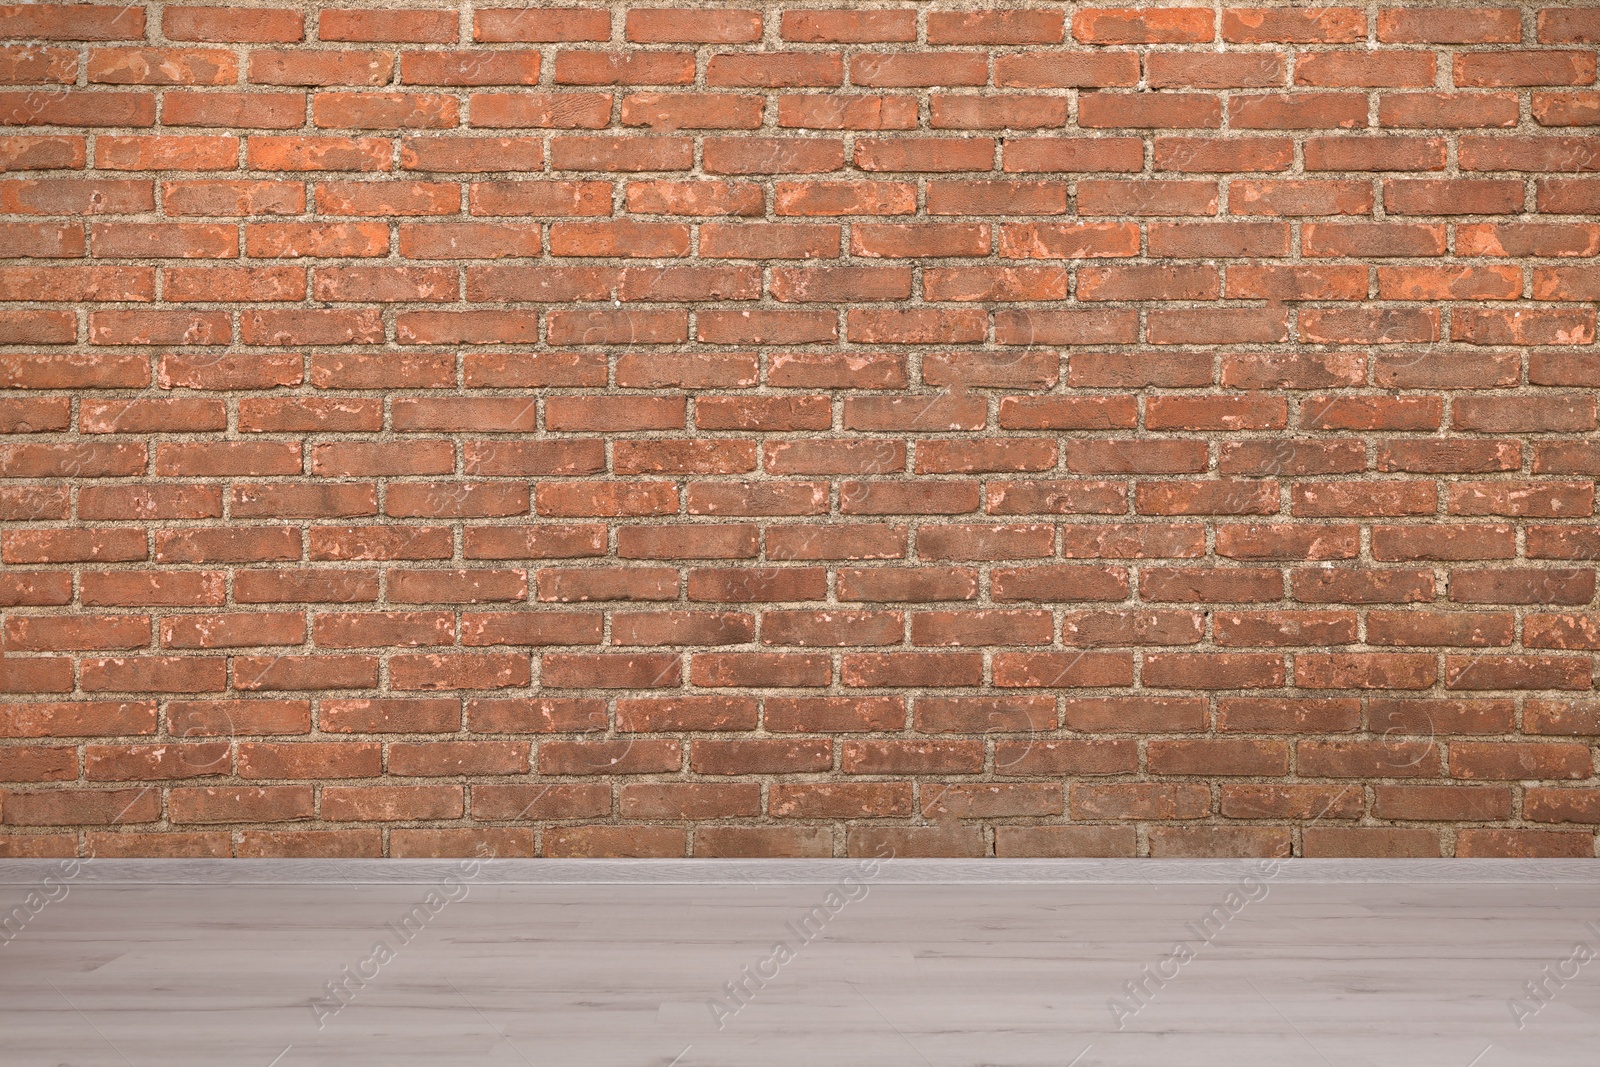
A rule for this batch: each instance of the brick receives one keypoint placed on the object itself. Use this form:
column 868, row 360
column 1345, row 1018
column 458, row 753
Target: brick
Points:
column 836, row 111
column 1364, row 69
column 1351, row 842
column 776, row 70
column 1216, row 70
column 1566, row 109
column 96, row 807
column 1308, row 111
column 317, row 153
column 44, row 240
column 157, row 240
column 162, row 66
column 1536, row 759
column 383, row 111
column 411, row 27
column 1459, row 26
column 1297, row 25
column 82, row 283
column 424, row 844
column 510, row 715
column 907, row 71
column 1204, row 585
column 1039, row 69
column 1159, row 110
column 623, row 491
column 22, row 65
column 260, row 110
column 682, row 26
column 1447, row 110
column 290, row 67
column 500, row 67
column 1572, row 25
column 842, row 800
column 842, row 26
column 1062, row 670
column 706, row 111
column 1302, row 197
column 1177, row 25
column 1205, row 154
column 1219, row 757
column 1559, row 805
column 232, row 25
column 1512, row 67
column 87, row 108
column 911, row 757
column 1374, row 153
column 541, row 25
column 931, row 154
column 582, row 67
column 1197, row 240
column 1522, row 843
column 523, row 110
column 1139, row 801
column 1043, row 842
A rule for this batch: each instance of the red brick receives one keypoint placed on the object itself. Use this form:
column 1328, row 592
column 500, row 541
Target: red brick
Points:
column 762, row 494
column 623, row 68
column 1133, row 800
column 1215, row 70
column 683, row 26
column 541, row 25
column 1455, row 26
column 848, row 800
column 817, row 26
column 1043, row 842
column 1299, row 25
column 1571, row 25
column 905, row 71
column 412, row 27
column 383, row 111
column 1176, row 25
column 1361, row 69
column 1523, row 843
column 958, row 112
column 1036, row 69
column 1030, row 155
column 470, row 67
column 1511, row 67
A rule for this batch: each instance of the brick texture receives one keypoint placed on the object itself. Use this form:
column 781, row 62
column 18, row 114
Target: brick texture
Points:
column 780, row 429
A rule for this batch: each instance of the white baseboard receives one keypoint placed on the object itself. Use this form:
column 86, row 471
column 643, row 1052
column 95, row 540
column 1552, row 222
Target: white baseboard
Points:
column 787, row 871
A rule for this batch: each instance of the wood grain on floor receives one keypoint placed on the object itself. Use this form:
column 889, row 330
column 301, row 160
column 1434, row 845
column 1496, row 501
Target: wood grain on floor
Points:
column 1259, row 972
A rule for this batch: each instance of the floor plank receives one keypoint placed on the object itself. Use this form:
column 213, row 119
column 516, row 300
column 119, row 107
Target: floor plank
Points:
column 1022, row 975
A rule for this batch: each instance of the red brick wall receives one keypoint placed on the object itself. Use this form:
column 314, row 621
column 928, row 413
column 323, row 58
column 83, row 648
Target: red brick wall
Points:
column 791, row 430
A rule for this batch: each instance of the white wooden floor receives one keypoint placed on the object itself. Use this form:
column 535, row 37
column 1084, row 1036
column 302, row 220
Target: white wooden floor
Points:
column 1398, row 967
